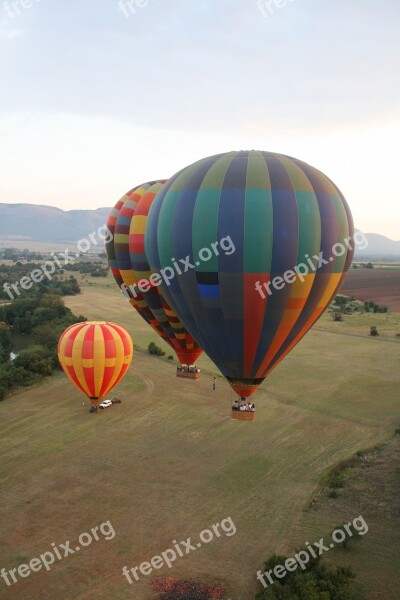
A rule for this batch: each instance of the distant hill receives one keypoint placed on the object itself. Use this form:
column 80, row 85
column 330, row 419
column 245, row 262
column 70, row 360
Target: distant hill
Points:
column 48, row 224
column 379, row 246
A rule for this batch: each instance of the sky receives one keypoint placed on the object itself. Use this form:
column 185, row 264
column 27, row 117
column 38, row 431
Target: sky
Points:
column 98, row 96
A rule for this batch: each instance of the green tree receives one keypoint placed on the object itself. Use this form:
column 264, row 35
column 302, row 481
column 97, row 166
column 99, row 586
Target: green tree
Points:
column 316, row 582
column 155, row 350
column 35, row 360
column 351, row 537
column 5, row 343
column 13, row 377
column 47, row 335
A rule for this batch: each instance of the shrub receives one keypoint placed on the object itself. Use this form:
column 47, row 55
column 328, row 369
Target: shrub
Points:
column 352, row 536
column 35, row 360
column 338, row 475
column 13, row 377
column 374, row 331
column 316, row 582
column 338, row 480
column 155, row 350
column 170, row 357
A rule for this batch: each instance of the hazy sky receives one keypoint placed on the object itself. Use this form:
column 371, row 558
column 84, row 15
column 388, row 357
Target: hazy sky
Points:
column 97, row 96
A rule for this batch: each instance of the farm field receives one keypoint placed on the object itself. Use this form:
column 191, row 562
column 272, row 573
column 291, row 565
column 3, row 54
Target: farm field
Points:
column 382, row 285
column 44, row 247
column 169, row 462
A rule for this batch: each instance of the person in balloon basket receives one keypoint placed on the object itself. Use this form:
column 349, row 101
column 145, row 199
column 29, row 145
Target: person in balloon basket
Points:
column 243, row 406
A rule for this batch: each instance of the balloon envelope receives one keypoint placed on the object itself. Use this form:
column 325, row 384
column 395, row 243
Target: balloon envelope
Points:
column 127, row 223
column 246, row 220
column 95, row 356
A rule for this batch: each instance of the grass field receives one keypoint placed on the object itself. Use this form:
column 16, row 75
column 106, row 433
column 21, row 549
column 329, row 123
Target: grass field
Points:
column 372, row 490
column 169, row 462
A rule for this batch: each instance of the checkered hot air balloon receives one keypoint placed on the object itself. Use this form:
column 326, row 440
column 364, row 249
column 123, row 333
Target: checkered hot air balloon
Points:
column 277, row 212
column 129, row 265
column 95, row 357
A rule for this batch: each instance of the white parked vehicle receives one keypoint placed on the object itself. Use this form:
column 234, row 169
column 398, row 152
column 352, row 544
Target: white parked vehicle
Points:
column 105, row 404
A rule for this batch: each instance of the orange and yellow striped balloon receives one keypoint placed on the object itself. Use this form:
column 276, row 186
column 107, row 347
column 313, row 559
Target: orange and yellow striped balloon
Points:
column 95, row 356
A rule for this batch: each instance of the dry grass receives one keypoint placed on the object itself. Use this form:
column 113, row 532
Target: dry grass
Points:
column 169, row 462
column 372, row 490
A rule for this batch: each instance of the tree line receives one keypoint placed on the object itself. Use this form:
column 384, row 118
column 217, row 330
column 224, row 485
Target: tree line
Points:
column 42, row 319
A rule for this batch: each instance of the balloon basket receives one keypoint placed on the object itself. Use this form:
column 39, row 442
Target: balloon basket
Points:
column 188, row 375
column 188, row 372
column 243, row 415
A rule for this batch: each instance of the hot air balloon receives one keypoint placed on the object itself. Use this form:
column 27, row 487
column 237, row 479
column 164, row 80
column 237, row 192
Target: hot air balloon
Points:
column 277, row 213
column 95, row 356
column 127, row 223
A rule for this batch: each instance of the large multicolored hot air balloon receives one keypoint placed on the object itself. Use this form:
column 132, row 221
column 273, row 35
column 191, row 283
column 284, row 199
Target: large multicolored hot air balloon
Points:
column 95, row 356
column 127, row 223
column 247, row 221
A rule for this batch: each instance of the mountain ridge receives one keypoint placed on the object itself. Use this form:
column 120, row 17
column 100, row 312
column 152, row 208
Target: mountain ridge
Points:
column 44, row 223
